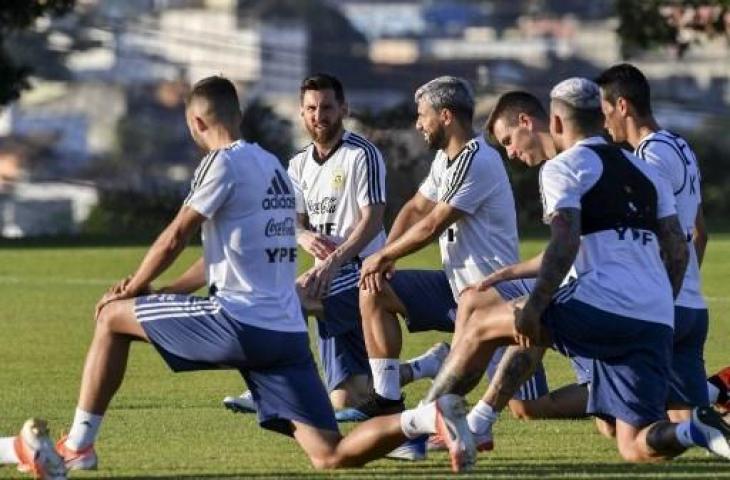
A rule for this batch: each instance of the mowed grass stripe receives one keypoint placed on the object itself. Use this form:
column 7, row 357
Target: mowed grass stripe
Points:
column 162, row 425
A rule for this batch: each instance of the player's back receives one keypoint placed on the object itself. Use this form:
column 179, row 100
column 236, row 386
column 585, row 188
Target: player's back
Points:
column 620, row 198
column 250, row 242
column 675, row 161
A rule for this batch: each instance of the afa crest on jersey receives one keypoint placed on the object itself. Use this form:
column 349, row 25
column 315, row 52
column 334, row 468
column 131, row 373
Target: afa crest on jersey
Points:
column 338, row 179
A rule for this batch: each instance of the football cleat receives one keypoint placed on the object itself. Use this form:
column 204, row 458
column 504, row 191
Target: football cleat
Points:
column 715, row 434
column 410, row 451
column 83, row 459
column 453, row 428
column 721, row 380
column 373, row 406
column 484, row 442
column 35, row 452
column 241, row 404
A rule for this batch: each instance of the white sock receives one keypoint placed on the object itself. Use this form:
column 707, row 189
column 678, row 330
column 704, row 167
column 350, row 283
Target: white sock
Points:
column 386, row 377
column 481, row 418
column 7, row 451
column 84, row 430
column 419, row 421
column 424, row 366
column 713, row 392
column 684, row 434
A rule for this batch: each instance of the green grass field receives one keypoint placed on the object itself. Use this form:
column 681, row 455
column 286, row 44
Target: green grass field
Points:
column 162, row 425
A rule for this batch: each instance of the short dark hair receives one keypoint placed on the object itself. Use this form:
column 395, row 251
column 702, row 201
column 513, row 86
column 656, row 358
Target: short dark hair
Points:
column 509, row 105
column 322, row 81
column 627, row 81
column 220, row 96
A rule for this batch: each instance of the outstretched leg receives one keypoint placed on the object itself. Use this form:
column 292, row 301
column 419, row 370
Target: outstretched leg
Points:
column 378, row 436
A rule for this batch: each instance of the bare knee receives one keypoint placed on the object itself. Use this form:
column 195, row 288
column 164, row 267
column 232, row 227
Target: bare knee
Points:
column 106, row 317
column 633, row 453
column 367, row 299
column 325, row 462
column 370, row 302
column 605, row 428
column 118, row 317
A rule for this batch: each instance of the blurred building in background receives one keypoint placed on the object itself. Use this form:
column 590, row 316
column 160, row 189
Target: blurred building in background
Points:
column 109, row 114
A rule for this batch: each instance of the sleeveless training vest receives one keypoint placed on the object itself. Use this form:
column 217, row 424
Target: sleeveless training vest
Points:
column 623, row 197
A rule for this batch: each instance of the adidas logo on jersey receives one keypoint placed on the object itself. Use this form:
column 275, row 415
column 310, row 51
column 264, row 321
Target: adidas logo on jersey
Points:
column 279, row 195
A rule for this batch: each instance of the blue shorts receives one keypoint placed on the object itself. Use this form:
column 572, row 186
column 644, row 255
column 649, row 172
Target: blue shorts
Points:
column 430, row 306
column 627, row 360
column 341, row 343
column 195, row 333
column 583, row 369
column 427, row 296
column 688, row 380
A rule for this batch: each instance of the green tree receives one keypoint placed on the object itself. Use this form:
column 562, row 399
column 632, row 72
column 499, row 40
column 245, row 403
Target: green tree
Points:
column 17, row 15
column 262, row 125
column 646, row 24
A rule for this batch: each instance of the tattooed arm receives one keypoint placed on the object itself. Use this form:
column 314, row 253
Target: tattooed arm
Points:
column 674, row 250
column 556, row 262
column 699, row 236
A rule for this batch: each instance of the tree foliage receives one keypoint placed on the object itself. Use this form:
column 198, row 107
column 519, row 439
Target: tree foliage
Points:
column 16, row 15
column 646, row 24
column 262, row 125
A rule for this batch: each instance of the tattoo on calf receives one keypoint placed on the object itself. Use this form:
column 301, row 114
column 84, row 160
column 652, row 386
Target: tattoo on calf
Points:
column 513, row 370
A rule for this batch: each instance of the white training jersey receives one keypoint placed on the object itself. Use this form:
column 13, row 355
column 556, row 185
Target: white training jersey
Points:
column 249, row 240
column 332, row 190
column 485, row 238
column 677, row 164
column 618, row 268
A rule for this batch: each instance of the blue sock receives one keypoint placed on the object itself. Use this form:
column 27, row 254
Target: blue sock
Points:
column 689, row 435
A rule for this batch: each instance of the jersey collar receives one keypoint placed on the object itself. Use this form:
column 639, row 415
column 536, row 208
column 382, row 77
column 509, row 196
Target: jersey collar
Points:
column 466, row 146
column 320, row 160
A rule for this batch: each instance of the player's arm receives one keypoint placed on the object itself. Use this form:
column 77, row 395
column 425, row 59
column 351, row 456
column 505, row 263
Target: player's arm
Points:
column 423, row 232
column 369, row 225
column 209, row 193
column 371, row 221
column 699, row 235
column 419, row 235
column 527, row 269
column 411, row 213
column 190, row 281
column 557, row 259
column 675, row 253
column 164, row 250
column 314, row 243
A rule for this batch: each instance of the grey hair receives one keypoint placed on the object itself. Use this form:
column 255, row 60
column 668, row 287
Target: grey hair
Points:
column 453, row 93
column 577, row 92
